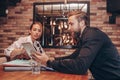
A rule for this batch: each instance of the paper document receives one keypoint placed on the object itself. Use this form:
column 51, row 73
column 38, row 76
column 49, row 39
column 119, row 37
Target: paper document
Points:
column 29, row 48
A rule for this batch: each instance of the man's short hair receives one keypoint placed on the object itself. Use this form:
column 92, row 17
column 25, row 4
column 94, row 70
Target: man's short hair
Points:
column 80, row 15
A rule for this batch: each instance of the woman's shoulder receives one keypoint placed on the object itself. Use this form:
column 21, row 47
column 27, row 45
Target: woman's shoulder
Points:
column 24, row 38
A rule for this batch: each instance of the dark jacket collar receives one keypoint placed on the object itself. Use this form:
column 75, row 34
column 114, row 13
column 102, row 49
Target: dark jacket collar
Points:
column 84, row 31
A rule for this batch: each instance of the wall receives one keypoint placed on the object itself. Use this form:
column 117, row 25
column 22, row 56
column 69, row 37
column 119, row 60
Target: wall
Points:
column 20, row 17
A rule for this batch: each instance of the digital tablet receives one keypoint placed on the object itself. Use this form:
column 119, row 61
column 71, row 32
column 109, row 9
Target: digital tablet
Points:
column 29, row 48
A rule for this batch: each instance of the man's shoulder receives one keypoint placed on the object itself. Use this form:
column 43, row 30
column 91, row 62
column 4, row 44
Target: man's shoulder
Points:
column 93, row 29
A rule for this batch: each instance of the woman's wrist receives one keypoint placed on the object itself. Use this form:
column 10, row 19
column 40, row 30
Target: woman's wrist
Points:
column 16, row 52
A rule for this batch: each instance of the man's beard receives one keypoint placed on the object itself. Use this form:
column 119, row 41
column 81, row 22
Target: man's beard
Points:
column 76, row 35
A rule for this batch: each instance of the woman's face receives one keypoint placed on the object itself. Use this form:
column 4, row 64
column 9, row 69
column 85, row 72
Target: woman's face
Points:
column 36, row 31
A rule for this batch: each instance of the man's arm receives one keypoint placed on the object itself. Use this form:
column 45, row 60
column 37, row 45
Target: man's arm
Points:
column 91, row 44
column 73, row 55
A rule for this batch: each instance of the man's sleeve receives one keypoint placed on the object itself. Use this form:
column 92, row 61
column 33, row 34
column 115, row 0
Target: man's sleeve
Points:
column 80, row 63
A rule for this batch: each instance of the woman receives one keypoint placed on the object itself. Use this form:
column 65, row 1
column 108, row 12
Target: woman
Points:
column 16, row 50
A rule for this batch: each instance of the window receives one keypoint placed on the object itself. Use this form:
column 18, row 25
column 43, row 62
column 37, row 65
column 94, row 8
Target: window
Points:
column 54, row 19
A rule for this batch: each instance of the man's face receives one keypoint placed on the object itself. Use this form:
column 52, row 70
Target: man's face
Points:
column 36, row 31
column 74, row 25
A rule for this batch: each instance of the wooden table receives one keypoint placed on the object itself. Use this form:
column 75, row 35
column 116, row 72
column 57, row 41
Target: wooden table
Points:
column 44, row 75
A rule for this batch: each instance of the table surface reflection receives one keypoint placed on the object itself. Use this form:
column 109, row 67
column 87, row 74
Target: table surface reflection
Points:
column 44, row 75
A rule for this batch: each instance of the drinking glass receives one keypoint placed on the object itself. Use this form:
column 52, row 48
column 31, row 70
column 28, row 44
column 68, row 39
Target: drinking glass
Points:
column 35, row 67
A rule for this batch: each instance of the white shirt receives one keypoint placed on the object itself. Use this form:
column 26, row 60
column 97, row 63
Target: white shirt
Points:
column 18, row 45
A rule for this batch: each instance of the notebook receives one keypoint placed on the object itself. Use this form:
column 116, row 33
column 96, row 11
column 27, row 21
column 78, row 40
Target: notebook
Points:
column 22, row 65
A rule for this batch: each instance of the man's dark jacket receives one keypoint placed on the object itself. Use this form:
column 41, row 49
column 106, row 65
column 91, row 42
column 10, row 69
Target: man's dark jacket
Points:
column 96, row 52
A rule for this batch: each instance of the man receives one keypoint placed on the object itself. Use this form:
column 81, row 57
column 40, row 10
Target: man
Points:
column 95, row 52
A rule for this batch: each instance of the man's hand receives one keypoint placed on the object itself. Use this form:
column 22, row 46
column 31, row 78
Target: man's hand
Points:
column 42, row 58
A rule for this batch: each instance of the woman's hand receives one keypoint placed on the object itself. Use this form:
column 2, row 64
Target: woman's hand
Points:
column 21, row 54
